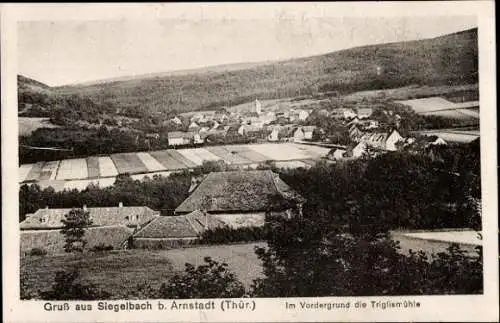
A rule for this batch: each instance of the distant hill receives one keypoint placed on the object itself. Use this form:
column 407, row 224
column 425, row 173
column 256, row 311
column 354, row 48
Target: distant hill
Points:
column 449, row 59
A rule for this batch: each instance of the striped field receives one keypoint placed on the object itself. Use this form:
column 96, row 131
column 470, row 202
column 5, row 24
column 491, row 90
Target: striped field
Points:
column 81, row 172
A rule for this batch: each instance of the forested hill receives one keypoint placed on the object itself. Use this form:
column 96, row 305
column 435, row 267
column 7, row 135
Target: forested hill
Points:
column 449, row 59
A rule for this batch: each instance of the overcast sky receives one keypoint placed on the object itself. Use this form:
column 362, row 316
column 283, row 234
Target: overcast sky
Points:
column 68, row 52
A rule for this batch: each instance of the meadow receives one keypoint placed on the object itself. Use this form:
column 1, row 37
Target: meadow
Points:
column 119, row 272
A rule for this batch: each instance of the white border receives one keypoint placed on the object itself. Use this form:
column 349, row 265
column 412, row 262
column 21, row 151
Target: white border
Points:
column 435, row 308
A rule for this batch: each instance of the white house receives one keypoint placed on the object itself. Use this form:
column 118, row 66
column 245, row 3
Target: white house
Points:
column 364, row 113
column 303, row 115
column 274, row 135
column 176, row 120
column 193, row 126
column 258, row 107
column 178, row 138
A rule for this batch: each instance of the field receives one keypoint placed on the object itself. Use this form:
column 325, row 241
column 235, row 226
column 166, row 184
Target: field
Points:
column 78, row 173
column 28, row 125
column 120, row 272
column 437, row 106
column 453, row 135
column 128, row 163
column 73, row 169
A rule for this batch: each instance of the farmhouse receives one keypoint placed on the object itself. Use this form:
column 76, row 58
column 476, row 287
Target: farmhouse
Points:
column 241, row 198
column 179, row 138
column 111, row 226
column 174, row 231
column 381, row 140
column 304, row 133
column 348, row 113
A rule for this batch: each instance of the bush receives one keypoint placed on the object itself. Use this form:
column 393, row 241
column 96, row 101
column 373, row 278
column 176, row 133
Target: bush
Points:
column 66, row 288
column 212, row 280
column 38, row 252
column 227, row 234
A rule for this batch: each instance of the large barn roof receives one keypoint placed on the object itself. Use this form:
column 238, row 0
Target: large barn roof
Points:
column 239, row 191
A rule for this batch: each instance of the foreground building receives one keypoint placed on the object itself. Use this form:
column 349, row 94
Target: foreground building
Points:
column 111, row 227
column 242, row 198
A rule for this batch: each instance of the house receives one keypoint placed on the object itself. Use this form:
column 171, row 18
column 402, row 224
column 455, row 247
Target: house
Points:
column 179, row 138
column 250, row 130
column 152, row 136
column 364, row 113
column 194, row 126
column 355, row 133
column 258, row 107
column 381, row 140
column 356, row 151
column 111, row 226
column 304, row 133
column 167, row 232
column 242, row 198
column 354, row 121
column 176, row 120
column 274, row 135
column 370, row 124
column 348, row 113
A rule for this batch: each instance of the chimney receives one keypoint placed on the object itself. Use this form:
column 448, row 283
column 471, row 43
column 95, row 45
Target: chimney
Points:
column 120, row 204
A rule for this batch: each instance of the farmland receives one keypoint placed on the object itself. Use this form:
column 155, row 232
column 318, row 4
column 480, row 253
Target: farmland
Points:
column 453, row 135
column 79, row 173
column 28, row 125
column 121, row 272
column 437, row 106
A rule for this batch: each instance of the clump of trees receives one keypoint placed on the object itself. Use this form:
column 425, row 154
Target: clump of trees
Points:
column 211, row 280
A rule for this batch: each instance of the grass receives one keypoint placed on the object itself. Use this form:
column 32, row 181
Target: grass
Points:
column 120, row 272
column 93, row 167
column 73, row 169
column 167, row 160
column 128, row 163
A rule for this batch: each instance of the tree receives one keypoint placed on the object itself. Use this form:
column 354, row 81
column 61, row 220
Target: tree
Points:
column 311, row 258
column 75, row 223
column 212, row 280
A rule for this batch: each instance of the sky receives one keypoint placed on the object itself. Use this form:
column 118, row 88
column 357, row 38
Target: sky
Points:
column 70, row 52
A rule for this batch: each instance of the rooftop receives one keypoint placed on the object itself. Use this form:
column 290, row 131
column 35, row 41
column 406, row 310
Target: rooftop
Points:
column 239, row 191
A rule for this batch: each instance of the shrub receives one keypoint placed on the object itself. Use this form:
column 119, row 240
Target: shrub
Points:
column 227, row 234
column 212, row 280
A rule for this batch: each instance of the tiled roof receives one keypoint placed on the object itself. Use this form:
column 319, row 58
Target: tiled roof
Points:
column 238, row 191
column 179, row 134
column 179, row 226
column 101, row 216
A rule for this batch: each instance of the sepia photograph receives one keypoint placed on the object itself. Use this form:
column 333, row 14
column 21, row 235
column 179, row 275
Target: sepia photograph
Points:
column 216, row 161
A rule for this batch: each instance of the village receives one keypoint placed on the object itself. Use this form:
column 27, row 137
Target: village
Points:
column 351, row 173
